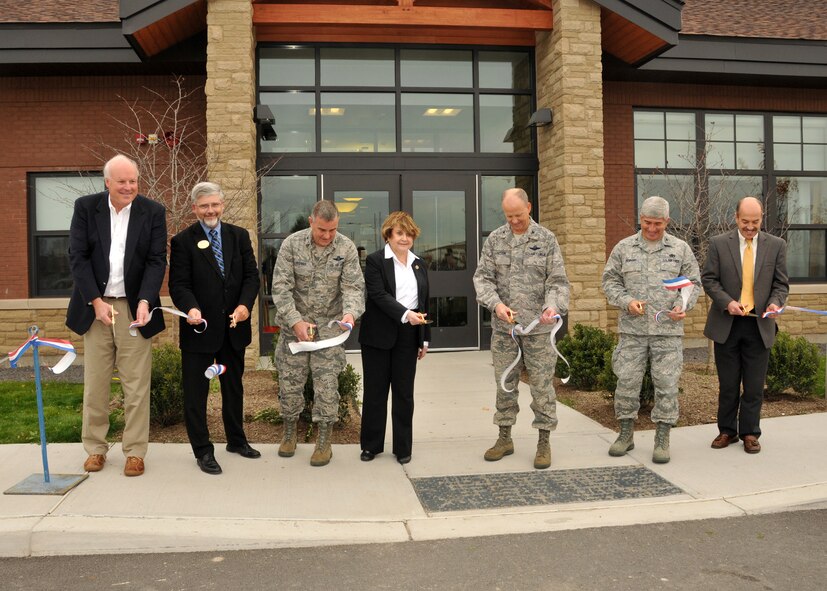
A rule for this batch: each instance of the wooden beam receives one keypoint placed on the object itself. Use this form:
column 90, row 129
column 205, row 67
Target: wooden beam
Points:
column 366, row 34
column 427, row 16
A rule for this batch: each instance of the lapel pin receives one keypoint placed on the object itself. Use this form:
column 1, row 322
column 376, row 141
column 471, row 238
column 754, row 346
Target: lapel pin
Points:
column 203, row 244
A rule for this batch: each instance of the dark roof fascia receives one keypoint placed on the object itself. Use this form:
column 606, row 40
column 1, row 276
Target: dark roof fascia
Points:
column 662, row 18
column 64, row 43
column 139, row 14
column 743, row 56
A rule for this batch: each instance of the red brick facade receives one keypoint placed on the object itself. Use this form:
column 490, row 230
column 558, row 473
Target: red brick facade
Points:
column 619, row 99
column 57, row 124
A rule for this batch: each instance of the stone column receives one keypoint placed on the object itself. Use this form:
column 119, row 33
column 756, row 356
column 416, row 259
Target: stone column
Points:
column 572, row 195
column 231, row 130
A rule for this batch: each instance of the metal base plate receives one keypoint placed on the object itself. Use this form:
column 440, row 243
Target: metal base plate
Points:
column 59, row 484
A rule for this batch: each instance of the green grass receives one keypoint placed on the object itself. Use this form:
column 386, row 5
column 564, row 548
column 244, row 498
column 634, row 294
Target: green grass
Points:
column 62, row 410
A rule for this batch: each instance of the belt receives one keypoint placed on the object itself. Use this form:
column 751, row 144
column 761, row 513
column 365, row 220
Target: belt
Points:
column 114, row 297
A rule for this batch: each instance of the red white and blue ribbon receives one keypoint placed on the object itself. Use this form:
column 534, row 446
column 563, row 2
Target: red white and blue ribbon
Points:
column 520, row 330
column 215, row 370
column 796, row 308
column 307, row 346
column 682, row 284
column 135, row 325
column 36, row 341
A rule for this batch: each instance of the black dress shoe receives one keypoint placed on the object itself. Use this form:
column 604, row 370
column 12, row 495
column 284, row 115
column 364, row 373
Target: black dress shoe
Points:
column 244, row 450
column 208, row 464
column 403, row 459
column 367, row 456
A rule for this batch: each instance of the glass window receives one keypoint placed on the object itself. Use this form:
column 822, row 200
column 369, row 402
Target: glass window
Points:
column 806, row 253
column 357, row 67
column 724, row 194
column 52, row 197
column 804, row 199
column 287, row 66
column 441, row 216
column 505, row 69
column 437, row 123
column 651, row 128
column 503, row 123
column 735, row 141
column 436, row 68
column 649, row 125
column 449, row 311
column 361, row 214
column 358, row 122
column 286, row 203
column 269, row 251
column 678, row 190
column 295, row 125
column 491, row 196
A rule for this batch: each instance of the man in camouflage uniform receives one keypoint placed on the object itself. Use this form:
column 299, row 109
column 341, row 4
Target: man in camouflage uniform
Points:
column 633, row 281
column 317, row 279
column 521, row 277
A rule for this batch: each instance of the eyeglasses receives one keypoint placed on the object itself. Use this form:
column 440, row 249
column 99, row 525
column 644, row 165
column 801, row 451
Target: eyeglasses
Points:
column 206, row 206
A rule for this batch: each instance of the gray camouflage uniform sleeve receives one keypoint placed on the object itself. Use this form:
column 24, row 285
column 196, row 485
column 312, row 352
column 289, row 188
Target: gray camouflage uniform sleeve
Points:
column 353, row 284
column 612, row 282
column 556, row 284
column 283, row 284
column 485, row 283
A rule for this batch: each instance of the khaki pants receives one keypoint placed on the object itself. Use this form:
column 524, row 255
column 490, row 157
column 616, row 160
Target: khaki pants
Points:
column 105, row 349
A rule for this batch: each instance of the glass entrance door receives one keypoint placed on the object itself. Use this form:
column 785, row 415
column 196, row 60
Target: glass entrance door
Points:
column 363, row 201
column 443, row 206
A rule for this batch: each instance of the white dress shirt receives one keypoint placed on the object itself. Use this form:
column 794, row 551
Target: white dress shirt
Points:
column 742, row 245
column 407, row 290
column 118, row 225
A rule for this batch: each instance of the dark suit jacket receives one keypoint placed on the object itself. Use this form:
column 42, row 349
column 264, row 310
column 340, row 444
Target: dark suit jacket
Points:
column 383, row 314
column 195, row 281
column 145, row 258
column 721, row 279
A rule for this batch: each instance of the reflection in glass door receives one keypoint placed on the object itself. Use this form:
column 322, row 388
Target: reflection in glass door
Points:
column 443, row 207
column 363, row 201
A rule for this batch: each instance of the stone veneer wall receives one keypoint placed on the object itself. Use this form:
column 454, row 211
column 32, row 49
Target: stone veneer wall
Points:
column 572, row 200
column 231, row 129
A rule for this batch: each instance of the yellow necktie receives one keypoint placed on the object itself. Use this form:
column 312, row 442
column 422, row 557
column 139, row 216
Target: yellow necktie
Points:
column 748, row 279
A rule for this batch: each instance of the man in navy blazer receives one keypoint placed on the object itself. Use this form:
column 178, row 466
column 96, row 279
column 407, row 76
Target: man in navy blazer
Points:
column 743, row 338
column 117, row 255
column 213, row 277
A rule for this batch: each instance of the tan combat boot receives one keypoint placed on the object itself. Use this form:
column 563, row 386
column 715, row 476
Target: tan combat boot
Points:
column 503, row 447
column 626, row 440
column 543, row 458
column 288, row 441
column 323, row 452
column 661, row 453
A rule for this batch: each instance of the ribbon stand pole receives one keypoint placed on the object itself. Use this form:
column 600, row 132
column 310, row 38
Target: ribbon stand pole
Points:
column 43, row 484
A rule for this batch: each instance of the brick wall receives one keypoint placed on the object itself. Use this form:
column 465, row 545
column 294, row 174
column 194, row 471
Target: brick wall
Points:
column 619, row 99
column 572, row 201
column 57, row 123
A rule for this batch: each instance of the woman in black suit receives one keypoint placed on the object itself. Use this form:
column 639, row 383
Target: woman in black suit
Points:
column 394, row 334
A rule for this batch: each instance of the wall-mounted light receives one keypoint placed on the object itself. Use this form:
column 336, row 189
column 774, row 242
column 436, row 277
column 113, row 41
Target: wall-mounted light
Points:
column 266, row 120
column 540, row 118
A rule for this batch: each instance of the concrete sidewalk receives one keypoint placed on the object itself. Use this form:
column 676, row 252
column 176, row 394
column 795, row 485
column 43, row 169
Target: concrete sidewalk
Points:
column 277, row 502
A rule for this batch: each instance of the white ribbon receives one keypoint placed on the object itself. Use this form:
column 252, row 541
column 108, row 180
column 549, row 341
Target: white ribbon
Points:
column 520, row 330
column 134, row 325
column 307, row 346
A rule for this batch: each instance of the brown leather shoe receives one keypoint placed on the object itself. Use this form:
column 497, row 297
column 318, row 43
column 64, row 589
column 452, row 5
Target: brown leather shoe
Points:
column 94, row 463
column 134, row 466
column 751, row 445
column 723, row 440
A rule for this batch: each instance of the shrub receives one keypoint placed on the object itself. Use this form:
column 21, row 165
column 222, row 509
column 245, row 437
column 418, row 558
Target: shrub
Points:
column 166, row 402
column 794, row 363
column 585, row 348
column 348, row 390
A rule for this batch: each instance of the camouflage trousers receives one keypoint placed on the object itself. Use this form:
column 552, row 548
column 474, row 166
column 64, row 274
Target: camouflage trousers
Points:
column 539, row 361
column 665, row 354
column 324, row 365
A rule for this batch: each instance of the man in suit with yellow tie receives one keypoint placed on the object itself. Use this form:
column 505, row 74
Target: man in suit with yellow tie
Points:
column 745, row 275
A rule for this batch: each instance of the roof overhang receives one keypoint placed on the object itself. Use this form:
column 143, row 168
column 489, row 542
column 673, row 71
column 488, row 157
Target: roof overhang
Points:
column 743, row 56
column 637, row 30
column 147, row 29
